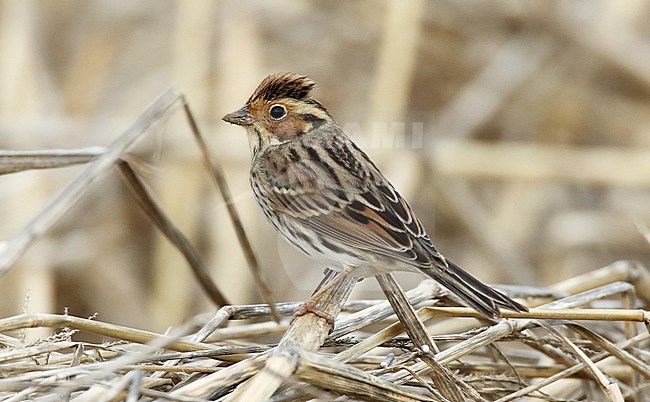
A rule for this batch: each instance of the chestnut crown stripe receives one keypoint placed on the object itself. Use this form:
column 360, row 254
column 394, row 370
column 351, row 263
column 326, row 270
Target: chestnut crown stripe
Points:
column 280, row 86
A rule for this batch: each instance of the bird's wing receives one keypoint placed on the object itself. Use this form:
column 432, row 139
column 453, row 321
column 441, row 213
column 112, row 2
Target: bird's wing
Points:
column 357, row 223
column 357, row 209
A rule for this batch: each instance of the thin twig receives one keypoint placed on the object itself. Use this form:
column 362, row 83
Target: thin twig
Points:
column 148, row 204
column 543, row 314
column 12, row 161
column 610, row 389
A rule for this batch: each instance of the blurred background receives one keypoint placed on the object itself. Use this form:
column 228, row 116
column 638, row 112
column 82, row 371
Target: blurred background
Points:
column 518, row 130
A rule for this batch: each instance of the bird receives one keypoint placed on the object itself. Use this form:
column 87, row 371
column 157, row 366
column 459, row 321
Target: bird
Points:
column 325, row 196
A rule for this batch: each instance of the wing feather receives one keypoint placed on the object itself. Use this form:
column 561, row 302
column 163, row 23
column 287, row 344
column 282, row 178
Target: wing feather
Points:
column 366, row 221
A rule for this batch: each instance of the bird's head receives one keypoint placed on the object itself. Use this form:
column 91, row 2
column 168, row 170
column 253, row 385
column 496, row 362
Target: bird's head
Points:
column 279, row 111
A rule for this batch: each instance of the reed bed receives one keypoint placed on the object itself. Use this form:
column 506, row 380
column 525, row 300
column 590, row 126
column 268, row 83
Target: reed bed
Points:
column 517, row 130
column 588, row 345
column 585, row 338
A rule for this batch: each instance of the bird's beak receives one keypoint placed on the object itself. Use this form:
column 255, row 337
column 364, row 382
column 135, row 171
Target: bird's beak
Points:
column 241, row 117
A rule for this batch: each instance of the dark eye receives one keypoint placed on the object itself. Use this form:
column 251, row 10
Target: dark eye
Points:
column 277, row 112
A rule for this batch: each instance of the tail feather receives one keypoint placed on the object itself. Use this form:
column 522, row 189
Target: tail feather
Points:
column 475, row 293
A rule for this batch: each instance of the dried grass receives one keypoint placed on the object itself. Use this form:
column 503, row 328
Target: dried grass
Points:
column 534, row 148
column 364, row 356
column 531, row 354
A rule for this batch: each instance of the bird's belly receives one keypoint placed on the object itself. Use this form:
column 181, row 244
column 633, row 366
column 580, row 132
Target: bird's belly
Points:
column 327, row 252
column 337, row 257
column 332, row 256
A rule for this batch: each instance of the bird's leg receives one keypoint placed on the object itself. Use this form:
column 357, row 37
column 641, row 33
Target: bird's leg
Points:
column 309, row 306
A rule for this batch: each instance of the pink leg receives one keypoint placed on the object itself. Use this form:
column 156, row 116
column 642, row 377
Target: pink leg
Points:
column 309, row 306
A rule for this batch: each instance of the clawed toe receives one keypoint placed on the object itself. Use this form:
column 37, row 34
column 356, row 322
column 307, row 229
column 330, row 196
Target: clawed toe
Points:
column 308, row 307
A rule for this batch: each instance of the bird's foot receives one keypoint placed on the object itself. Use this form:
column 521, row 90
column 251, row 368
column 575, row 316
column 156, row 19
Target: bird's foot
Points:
column 310, row 307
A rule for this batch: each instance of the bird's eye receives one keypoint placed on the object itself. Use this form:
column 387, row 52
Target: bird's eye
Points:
column 277, row 112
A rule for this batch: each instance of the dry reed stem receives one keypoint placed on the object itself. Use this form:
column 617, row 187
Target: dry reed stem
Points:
column 426, row 290
column 569, row 371
column 595, row 314
column 347, row 380
column 611, row 390
column 624, row 373
column 222, row 380
column 622, row 355
column 449, row 386
column 17, row 354
column 147, row 203
column 12, row 161
column 307, row 332
column 99, row 328
column 220, row 181
column 631, row 272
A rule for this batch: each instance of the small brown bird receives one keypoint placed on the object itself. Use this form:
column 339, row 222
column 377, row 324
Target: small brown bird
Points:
column 328, row 199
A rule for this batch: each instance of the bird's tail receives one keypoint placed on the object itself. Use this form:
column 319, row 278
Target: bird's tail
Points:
column 475, row 293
